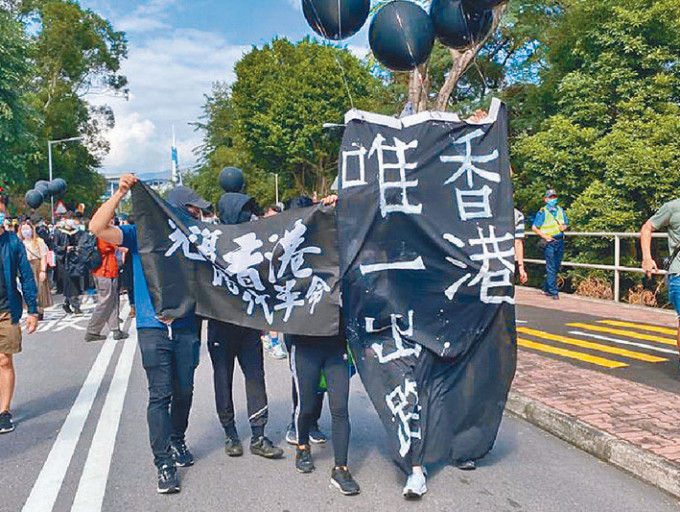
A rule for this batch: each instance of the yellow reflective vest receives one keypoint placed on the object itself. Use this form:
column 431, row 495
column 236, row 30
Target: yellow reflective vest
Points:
column 551, row 223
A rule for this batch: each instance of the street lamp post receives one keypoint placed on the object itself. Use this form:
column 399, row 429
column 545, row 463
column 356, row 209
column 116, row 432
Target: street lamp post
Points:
column 49, row 159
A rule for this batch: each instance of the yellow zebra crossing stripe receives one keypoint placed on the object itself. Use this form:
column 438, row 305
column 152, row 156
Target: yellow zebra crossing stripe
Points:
column 624, row 332
column 642, row 327
column 599, row 361
column 592, row 346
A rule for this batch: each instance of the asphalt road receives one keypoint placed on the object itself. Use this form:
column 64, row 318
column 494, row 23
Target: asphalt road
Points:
column 646, row 353
column 58, row 458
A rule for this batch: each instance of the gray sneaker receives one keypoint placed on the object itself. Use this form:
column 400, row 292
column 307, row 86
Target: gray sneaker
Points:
column 416, row 486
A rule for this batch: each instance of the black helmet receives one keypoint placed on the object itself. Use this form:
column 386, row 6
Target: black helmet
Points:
column 231, row 179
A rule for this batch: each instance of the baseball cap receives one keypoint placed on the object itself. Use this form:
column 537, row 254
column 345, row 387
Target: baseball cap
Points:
column 181, row 197
column 550, row 193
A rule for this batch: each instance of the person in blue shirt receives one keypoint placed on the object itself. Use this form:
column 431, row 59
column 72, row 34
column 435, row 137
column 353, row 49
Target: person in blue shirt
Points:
column 169, row 346
column 550, row 224
column 13, row 264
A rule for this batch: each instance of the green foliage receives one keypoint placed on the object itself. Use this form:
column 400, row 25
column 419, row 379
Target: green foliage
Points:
column 45, row 73
column 271, row 119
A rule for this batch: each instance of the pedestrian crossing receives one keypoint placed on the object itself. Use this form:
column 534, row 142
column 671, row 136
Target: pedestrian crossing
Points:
column 610, row 344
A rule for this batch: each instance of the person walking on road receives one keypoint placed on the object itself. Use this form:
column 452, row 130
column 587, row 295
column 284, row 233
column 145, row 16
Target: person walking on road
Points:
column 108, row 304
column 14, row 266
column 36, row 251
column 169, row 347
column 228, row 342
column 71, row 268
column 550, row 224
column 667, row 217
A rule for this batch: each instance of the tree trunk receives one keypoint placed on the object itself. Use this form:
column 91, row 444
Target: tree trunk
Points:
column 462, row 60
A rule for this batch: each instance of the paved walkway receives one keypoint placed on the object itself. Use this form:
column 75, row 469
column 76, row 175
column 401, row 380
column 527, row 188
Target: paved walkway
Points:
column 645, row 416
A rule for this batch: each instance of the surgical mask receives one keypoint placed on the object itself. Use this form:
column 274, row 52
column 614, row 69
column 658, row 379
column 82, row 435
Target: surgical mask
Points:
column 552, row 202
column 27, row 232
column 2, row 219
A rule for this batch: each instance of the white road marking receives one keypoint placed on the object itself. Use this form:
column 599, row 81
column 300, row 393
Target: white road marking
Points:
column 92, row 487
column 624, row 342
column 49, row 482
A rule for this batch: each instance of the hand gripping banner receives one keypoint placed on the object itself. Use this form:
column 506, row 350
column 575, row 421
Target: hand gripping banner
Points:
column 278, row 274
column 426, row 228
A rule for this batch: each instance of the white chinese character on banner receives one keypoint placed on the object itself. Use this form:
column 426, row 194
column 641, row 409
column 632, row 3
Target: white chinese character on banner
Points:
column 404, row 404
column 359, row 154
column 401, row 184
column 255, row 299
column 289, row 299
column 468, row 160
column 400, row 348
column 315, row 292
column 242, row 261
column 221, row 278
column 474, row 204
column 500, row 277
column 180, row 240
column 293, row 256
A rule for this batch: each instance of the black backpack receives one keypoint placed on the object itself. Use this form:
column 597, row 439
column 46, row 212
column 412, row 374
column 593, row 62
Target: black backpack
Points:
column 88, row 252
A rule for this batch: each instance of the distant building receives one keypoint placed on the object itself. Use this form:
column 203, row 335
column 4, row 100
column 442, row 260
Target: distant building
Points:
column 159, row 181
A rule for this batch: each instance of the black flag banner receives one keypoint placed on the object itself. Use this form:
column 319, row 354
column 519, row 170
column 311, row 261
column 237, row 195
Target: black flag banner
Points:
column 278, row 274
column 426, row 227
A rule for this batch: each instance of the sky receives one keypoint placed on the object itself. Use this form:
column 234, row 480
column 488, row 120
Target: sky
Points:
column 176, row 50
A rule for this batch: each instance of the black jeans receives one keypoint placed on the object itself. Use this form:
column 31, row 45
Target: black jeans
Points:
column 170, row 358
column 227, row 342
column 294, row 394
column 308, row 357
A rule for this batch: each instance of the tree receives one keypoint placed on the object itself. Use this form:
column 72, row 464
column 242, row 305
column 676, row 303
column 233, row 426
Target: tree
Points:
column 271, row 119
column 75, row 52
column 16, row 141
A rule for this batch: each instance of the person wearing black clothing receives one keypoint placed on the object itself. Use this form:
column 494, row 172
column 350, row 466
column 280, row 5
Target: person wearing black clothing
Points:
column 310, row 356
column 70, row 264
column 227, row 342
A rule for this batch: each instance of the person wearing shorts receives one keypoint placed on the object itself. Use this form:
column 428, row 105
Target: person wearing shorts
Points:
column 13, row 264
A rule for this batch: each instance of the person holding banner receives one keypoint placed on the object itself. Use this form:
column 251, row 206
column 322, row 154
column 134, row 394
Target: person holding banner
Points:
column 228, row 342
column 169, row 346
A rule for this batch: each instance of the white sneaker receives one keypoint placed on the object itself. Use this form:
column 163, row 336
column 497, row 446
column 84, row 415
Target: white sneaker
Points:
column 416, row 486
column 278, row 351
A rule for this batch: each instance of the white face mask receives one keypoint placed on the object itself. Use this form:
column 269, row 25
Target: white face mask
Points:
column 27, row 232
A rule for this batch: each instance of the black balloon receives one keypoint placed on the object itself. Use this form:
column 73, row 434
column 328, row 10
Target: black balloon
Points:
column 336, row 19
column 34, row 198
column 231, row 179
column 56, row 187
column 42, row 186
column 457, row 25
column 401, row 35
column 482, row 4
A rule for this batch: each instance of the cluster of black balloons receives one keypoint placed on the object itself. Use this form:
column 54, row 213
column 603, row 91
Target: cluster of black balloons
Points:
column 44, row 190
column 402, row 34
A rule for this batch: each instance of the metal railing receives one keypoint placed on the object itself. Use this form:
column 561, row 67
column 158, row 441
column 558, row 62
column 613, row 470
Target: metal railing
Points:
column 616, row 267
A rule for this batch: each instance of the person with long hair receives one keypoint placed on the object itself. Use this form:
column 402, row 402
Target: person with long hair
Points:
column 36, row 251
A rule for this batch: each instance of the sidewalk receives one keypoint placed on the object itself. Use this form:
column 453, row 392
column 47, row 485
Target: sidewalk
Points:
column 630, row 425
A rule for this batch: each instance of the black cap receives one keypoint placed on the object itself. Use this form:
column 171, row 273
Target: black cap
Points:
column 181, row 197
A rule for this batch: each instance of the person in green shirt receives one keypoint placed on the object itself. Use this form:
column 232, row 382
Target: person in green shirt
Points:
column 668, row 217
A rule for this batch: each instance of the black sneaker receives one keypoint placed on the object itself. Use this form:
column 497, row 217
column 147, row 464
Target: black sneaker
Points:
column 90, row 336
column 168, row 481
column 78, row 312
column 181, row 455
column 265, row 448
column 316, row 436
column 120, row 335
column 343, row 480
column 303, row 459
column 6, row 424
column 467, row 465
column 67, row 308
column 233, row 447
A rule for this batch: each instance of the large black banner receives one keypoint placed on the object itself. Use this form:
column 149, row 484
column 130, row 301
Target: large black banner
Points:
column 279, row 273
column 426, row 230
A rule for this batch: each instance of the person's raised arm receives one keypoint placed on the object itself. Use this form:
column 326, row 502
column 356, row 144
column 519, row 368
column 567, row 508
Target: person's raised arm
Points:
column 100, row 224
column 648, row 263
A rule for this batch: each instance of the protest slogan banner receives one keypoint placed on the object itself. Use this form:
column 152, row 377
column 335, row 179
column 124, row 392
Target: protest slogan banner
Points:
column 279, row 273
column 426, row 227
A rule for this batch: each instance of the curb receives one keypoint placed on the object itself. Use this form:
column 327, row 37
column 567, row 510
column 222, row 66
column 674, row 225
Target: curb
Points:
column 643, row 464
